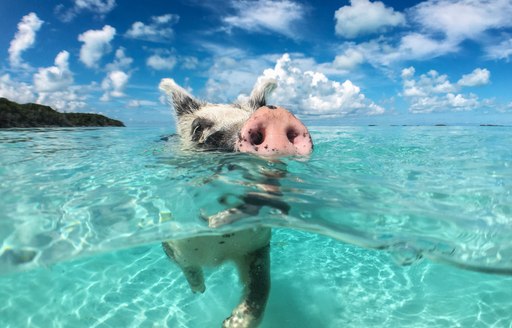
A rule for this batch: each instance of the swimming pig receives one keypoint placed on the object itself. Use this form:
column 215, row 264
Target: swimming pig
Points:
column 253, row 127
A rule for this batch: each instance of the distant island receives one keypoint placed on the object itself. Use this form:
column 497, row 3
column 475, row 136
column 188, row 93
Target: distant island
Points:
column 14, row 115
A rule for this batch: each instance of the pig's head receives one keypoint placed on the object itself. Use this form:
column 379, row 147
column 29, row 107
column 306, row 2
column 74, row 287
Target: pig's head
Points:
column 251, row 126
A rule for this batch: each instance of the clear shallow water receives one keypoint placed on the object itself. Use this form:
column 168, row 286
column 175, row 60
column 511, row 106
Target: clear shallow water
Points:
column 439, row 192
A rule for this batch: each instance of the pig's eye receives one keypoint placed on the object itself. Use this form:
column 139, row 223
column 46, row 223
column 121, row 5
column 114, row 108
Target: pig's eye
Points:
column 198, row 127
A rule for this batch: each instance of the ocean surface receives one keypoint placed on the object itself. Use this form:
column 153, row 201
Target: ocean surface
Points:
column 389, row 226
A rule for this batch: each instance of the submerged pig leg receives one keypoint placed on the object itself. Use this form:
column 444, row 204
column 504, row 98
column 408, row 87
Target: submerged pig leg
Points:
column 193, row 273
column 195, row 278
column 254, row 270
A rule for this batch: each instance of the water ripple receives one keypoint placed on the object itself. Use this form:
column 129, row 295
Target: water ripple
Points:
column 417, row 192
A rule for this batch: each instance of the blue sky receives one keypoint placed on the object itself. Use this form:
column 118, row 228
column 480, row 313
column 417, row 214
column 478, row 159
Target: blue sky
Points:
column 336, row 62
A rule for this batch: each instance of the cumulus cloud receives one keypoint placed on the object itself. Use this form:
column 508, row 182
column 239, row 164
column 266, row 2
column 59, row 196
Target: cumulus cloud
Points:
column 98, row 7
column 159, row 30
column 113, row 85
column 158, row 62
column 24, row 38
column 478, row 77
column 121, row 61
column 59, row 94
column 54, row 78
column 312, row 93
column 363, row 17
column 350, row 59
column 16, row 91
column 117, row 76
column 96, row 45
column 278, row 16
column 69, row 100
column 54, row 86
column 433, row 92
column 473, row 17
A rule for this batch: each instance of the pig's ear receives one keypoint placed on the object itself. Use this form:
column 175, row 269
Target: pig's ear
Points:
column 182, row 101
column 260, row 92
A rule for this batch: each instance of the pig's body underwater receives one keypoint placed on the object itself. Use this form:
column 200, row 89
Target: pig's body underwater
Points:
column 251, row 127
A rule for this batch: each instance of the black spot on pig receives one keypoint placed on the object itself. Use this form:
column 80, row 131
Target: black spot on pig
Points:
column 215, row 140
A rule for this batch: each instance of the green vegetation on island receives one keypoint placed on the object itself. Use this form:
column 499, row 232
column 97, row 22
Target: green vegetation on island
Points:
column 14, row 115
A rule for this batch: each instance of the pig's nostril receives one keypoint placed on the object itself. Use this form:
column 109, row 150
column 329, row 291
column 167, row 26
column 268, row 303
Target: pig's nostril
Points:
column 291, row 134
column 256, row 138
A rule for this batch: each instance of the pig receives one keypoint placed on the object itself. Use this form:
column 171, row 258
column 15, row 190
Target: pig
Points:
column 253, row 127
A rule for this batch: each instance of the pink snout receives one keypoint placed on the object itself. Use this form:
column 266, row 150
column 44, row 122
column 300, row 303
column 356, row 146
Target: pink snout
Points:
column 274, row 131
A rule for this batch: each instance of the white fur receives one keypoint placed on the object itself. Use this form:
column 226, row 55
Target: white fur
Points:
column 215, row 250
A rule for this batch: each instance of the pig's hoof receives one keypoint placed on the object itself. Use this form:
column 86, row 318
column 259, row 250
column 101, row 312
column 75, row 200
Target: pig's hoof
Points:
column 198, row 289
column 239, row 320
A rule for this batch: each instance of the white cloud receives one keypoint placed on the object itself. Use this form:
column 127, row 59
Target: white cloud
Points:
column 503, row 50
column 420, row 46
column 68, row 100
column 302, row 87
column 433, row 92
column 478, row 77
column 462, row 19
column 189, row 62
column 386, row 52
column 16, row 91
column 96, row 6
column 363, row 17
column 232, row 73
column 136, row 103
column 409, row 72
column 24, row 38
column 99, row 7
column 114, row 84
column 121, row 61
column 349, row 59
column 96, row 44
column 54, row 86
column 462, row 102
column 54, row 78
column 116, row 78
column 435, row 28
column 158, row 62
column 159, row 30
column 279, row 16
column 312, row 93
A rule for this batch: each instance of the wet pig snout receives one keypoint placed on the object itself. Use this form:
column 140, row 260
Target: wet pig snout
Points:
column 274, row 131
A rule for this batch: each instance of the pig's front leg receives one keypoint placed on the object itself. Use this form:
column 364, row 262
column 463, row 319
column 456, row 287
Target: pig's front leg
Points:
column 251, row 204
column 254, row 270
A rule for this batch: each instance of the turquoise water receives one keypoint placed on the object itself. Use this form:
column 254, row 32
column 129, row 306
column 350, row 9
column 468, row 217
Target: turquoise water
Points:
column 382, row 221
